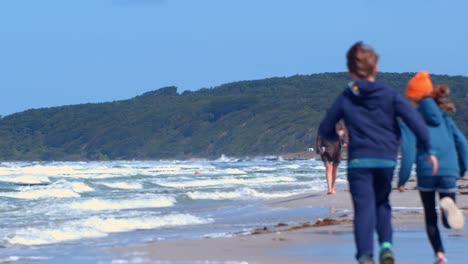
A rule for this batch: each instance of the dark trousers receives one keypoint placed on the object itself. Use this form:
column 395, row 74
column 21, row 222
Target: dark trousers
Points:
column 370, row 189
column 430, row 215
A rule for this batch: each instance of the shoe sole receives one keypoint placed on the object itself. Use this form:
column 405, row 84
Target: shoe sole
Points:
column 387, row 259
column 455, row 217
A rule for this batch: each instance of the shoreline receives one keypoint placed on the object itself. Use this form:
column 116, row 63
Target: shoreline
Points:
column 307, row 242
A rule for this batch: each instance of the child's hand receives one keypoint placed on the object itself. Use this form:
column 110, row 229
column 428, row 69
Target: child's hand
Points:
column 401, row 188
column 432, row 159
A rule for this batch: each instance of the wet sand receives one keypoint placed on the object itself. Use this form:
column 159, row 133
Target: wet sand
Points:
column 326, row 240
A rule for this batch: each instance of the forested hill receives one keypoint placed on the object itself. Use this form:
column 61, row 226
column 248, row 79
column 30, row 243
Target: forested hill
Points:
column 262, row 117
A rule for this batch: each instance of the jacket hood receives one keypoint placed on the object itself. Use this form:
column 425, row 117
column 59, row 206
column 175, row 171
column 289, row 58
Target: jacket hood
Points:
column 430, row 111
column 363, row 88
column 365, row 93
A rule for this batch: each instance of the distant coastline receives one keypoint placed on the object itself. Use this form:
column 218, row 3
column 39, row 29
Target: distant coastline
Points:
column 274, row 116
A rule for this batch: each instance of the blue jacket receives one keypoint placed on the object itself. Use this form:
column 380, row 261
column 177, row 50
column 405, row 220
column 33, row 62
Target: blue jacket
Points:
column 370, row 111
column 448, row 142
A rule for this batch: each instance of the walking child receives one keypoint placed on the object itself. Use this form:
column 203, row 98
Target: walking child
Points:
column 370, row 109
column 451, row 149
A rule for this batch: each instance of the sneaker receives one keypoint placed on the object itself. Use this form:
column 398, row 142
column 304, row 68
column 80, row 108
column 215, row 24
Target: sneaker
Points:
column 455, row 217
column 441, row 261
column 366, row 259
column 386, row 256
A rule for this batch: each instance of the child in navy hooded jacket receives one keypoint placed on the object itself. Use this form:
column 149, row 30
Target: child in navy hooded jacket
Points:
column 370, row 110
column 450, row 147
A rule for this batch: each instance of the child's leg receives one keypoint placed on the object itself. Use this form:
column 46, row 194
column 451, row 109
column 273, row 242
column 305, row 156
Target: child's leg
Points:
column 382, row 188
column 430, row 215
column 455, row 218
column 447, row 187
column 444, row 217
column 362, row 193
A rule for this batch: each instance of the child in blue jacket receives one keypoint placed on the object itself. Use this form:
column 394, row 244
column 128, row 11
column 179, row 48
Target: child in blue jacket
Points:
column 451, row 149
column 370, row 110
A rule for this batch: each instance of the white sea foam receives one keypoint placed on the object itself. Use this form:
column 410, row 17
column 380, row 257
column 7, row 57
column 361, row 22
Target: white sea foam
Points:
column 232, row 171
column 242, row 194
column 36, row 236
column 100, row 205
column 208, row 170
column 219, row 235
column 261, row 168
column 11, row 259
column 123, row 185
column 59, row 189
column 226, row 159
column 70, row 201
column 223, row 181
column 20, row 173
column 292, row 166
column 25, row 179
column 97, row 227
column 80, row 187
column 42, row 193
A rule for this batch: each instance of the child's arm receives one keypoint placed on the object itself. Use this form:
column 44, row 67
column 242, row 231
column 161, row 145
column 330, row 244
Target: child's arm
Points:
column 408, row 154
column 327, row 127
column 461, row 145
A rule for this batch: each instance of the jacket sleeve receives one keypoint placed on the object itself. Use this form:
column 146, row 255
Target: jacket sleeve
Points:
column 408, row 154
column 327, row 128
column 415, row 122
column 460, row 144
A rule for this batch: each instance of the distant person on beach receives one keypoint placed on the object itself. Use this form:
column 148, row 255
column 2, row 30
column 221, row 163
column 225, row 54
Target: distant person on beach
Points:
column 370, row 109
column 451, row 149
column 330, row 152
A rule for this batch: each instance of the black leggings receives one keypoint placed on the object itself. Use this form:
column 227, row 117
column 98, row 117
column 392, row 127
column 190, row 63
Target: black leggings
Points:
column 430, row 214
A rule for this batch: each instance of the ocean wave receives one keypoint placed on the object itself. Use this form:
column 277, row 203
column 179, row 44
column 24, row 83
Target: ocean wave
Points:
column 44, row 193
column 94, row 227
column 224, row 181
column 123, row 185
column 59, row 189
column 12, row 259
column 26, row 179
column 100, row 205
column 226, row 159
column 241, row 194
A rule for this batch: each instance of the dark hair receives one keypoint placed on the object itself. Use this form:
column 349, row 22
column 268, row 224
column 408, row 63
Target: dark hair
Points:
column 361, row 60
column 440, row 94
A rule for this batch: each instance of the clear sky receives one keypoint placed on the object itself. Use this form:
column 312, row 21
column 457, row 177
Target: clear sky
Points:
column 61, row 52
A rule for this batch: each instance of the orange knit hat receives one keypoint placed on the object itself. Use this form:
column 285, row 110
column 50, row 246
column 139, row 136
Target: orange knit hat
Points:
column 419, row 86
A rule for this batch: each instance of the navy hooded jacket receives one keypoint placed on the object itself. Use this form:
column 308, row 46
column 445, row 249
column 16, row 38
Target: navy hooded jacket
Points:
column 370, row 111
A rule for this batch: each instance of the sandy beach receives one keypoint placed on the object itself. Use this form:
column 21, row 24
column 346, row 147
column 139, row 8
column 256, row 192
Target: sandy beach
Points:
column 323, row 240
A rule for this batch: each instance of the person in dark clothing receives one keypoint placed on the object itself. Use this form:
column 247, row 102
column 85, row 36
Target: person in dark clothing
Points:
column 330, row 152
column 370, row 109
column 451, row 149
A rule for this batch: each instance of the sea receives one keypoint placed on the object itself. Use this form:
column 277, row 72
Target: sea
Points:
column 73, row 212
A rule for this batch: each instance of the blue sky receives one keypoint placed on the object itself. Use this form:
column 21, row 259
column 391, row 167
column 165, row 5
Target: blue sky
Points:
column 59, row 52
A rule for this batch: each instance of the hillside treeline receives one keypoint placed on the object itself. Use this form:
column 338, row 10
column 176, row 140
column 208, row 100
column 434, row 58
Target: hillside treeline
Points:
column 247, row 118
